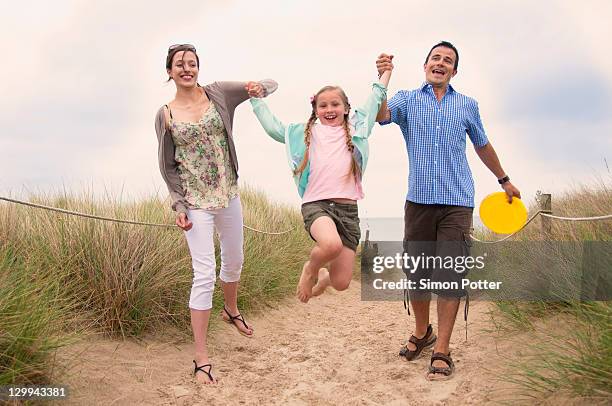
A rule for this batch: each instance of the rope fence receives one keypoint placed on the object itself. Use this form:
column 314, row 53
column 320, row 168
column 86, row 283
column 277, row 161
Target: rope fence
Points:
column 140, row 223
column 543, row 213
column 509, row 235
column 606, row 217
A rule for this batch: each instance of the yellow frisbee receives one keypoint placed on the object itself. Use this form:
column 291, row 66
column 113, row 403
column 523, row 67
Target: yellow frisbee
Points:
column 500, row 216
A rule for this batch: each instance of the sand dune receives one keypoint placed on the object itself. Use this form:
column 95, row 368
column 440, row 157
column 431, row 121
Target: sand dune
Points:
column 334, row 350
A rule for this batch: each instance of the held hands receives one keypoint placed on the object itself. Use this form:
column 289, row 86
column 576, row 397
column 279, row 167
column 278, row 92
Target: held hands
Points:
column 511, row 191
column 255, row 89
column 183, row 222
column 384, row 63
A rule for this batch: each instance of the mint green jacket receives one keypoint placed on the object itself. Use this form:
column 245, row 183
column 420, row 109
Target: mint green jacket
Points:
column 292, row 135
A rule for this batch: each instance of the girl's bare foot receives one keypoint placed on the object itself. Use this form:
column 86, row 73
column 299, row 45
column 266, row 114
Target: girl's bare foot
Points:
column 307, row 281
column 322, row 282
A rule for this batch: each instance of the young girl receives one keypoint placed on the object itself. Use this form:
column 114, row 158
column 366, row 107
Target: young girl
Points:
column 197, row 160
column 328, row 156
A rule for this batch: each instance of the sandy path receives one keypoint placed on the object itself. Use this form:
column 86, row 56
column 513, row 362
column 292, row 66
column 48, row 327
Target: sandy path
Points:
column 334, row 350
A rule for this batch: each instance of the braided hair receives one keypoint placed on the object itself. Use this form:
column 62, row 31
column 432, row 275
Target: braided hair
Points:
column 355, row 170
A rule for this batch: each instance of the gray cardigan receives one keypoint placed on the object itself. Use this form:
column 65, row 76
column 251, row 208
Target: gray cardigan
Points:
column 225, row 96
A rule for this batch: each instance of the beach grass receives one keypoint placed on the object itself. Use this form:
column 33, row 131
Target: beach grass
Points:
column 567, row 344
column 63, row 276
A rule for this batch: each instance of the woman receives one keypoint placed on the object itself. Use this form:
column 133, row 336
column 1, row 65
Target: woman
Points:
column 197, row 160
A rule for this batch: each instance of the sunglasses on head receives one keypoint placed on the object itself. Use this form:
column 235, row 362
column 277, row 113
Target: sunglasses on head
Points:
column 186, row 47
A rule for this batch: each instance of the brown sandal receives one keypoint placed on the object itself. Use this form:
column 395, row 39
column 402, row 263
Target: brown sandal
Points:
column 444, row 373
column 420, row 343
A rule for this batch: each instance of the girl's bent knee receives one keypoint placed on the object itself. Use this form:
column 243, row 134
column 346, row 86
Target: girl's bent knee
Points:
column 341, row 284
column 331, row 247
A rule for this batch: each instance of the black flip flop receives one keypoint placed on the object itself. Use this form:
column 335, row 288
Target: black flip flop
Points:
column 240, row 319
column 201, row 369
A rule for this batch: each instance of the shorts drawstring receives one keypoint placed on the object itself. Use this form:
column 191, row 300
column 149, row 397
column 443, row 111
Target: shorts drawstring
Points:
column 465, row 312
column 406, row 301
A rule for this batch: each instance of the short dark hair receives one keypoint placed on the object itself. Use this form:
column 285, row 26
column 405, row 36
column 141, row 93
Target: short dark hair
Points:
column 445, row 44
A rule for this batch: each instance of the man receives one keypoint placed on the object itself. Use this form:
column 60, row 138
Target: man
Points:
column 434, row 120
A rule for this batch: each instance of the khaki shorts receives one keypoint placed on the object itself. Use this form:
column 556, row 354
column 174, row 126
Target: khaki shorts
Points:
column 440, row 231
column 345, row 216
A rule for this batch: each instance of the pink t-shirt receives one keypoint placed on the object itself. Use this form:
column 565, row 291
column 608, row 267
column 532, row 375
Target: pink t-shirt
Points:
column 330, row 166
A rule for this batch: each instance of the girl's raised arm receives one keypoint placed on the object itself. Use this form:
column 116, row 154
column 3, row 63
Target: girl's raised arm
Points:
column 365, row 116
column 272, row 125
column 384, row 78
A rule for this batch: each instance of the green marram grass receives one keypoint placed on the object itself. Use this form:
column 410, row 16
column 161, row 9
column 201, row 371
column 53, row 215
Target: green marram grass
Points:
column 61, row 275
column 567, row 349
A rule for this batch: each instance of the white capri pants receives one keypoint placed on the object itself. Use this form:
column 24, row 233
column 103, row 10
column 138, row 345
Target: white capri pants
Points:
column 228, row 223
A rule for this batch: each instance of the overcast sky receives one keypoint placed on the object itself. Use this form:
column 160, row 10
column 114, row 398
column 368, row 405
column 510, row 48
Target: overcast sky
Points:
column 82, row 81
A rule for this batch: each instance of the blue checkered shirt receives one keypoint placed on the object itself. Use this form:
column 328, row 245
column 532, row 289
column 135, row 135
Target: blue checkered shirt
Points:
column 435, row 140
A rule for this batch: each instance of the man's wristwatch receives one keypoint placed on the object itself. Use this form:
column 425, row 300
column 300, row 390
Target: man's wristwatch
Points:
column 504, row 180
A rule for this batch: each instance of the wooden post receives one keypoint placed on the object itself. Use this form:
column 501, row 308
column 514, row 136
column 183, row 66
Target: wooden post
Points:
column 545, row 205
column 544, row 285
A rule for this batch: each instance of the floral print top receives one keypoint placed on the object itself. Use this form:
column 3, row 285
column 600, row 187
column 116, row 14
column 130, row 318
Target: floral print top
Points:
column 204, row 163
